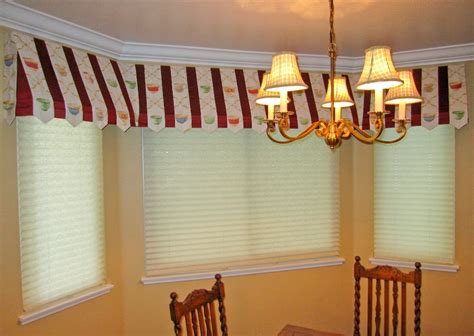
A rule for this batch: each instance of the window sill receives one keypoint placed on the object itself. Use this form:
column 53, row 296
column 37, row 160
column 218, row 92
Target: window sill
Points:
column 245, row 271
column 411, row 265
column 64, row 304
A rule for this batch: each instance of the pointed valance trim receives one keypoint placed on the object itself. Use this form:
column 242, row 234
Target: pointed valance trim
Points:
column 48, row 80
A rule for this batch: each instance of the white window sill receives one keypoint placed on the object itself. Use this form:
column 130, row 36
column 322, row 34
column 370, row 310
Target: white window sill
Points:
column 411, row 265
column 245, row 271
column 64, row 304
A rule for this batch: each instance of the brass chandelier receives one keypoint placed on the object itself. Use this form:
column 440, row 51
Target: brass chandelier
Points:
column 378, row 74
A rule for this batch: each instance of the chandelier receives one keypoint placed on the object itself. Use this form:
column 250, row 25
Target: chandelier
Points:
column 378, row 74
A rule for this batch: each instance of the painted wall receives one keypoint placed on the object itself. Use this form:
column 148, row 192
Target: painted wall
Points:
column 256, row 304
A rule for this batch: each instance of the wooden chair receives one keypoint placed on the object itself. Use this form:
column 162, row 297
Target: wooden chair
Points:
column 387, row 274
column 199, row 312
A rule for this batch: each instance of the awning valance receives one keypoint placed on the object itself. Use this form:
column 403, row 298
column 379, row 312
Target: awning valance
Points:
column 49, row 80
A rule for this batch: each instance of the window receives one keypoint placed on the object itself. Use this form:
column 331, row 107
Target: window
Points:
column 414, row 197
column 60, row 209
column 220, row 201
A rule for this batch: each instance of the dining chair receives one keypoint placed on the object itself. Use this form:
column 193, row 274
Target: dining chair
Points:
column 199, row 312
column 387, row 274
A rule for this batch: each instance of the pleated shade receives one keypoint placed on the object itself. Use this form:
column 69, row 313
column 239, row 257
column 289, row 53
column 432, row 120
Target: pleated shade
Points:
column 406, row 93
column 379, row 71
column 286, row 75
column 265, row 97
column 341, row 94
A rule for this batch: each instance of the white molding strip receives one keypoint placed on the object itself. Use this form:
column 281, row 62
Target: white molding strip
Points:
column 246, row 271
column 428, row 56
column 223, row 57
column 28, row 20
column 411, row 265
column 64, row 304
column 31, row 21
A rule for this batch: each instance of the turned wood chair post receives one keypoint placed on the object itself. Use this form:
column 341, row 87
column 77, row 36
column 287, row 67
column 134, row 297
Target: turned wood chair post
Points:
column 417, row 299
column 357, row 267
column 219, row 286
column 174, row 318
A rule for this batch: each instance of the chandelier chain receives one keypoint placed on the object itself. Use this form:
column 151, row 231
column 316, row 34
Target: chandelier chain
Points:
column 332, row 55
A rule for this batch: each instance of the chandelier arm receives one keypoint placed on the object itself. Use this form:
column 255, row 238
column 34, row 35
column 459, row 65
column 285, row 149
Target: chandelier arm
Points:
column 365, row 137
column 303, row 133
column 392, row 141
column 270, row 136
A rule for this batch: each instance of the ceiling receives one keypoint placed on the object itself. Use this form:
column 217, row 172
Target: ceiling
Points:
column 273, row 25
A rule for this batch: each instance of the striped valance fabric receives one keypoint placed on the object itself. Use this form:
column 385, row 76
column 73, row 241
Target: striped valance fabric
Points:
column 48, row 80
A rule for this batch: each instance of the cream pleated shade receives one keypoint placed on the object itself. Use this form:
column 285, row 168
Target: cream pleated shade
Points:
column 379, row 71
column 341, row 94
column 285, row 73
column 265, row 97
column 406, row 93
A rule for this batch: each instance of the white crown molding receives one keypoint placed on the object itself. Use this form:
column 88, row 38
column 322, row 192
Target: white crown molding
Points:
column 25, row 19
column 222, row 57
column 28, row 20
column 428, row 56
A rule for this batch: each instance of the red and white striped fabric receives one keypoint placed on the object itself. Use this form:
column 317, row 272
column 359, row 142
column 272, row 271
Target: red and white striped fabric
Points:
column 48, row 80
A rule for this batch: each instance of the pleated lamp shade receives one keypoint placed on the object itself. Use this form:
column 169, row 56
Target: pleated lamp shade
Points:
column 406, row 93
column 265, row 97
column 341, row 94
column 286, row 75
column 379, row 71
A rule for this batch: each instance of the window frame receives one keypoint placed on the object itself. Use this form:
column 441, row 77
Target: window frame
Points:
column 409, row 262
column 70, row 300
column 238, row 270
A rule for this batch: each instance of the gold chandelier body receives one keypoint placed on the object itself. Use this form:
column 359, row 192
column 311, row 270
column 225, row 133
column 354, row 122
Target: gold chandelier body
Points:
column 378, row 74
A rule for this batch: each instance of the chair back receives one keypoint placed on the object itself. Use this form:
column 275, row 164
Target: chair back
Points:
column 199, row 312
column 387, row 274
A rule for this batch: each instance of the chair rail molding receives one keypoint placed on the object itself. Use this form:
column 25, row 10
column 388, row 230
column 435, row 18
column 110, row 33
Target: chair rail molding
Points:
column 22, row 18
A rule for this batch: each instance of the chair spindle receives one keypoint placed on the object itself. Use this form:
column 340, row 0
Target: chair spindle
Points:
column 189, row 328
column 201, row 322
column 395, row 309
column 386, row 308
column 404, row 309
column 369, row 308
column 195, row 325
column 213, row 318
column 377, row 308
column 208, row 320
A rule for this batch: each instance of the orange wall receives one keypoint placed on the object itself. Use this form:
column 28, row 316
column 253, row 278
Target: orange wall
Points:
column 256, row 304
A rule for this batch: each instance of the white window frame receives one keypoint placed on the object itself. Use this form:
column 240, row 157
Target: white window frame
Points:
column 431, row 266
column 237, row 271
column 66, row 302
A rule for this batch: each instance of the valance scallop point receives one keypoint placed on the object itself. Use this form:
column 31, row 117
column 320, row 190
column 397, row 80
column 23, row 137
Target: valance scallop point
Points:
column 49, row 80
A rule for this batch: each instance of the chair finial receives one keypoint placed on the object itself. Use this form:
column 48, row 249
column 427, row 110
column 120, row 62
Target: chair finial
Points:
column 418, row 265
column 173, row 296
column 357, row 259
column 218, row 277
